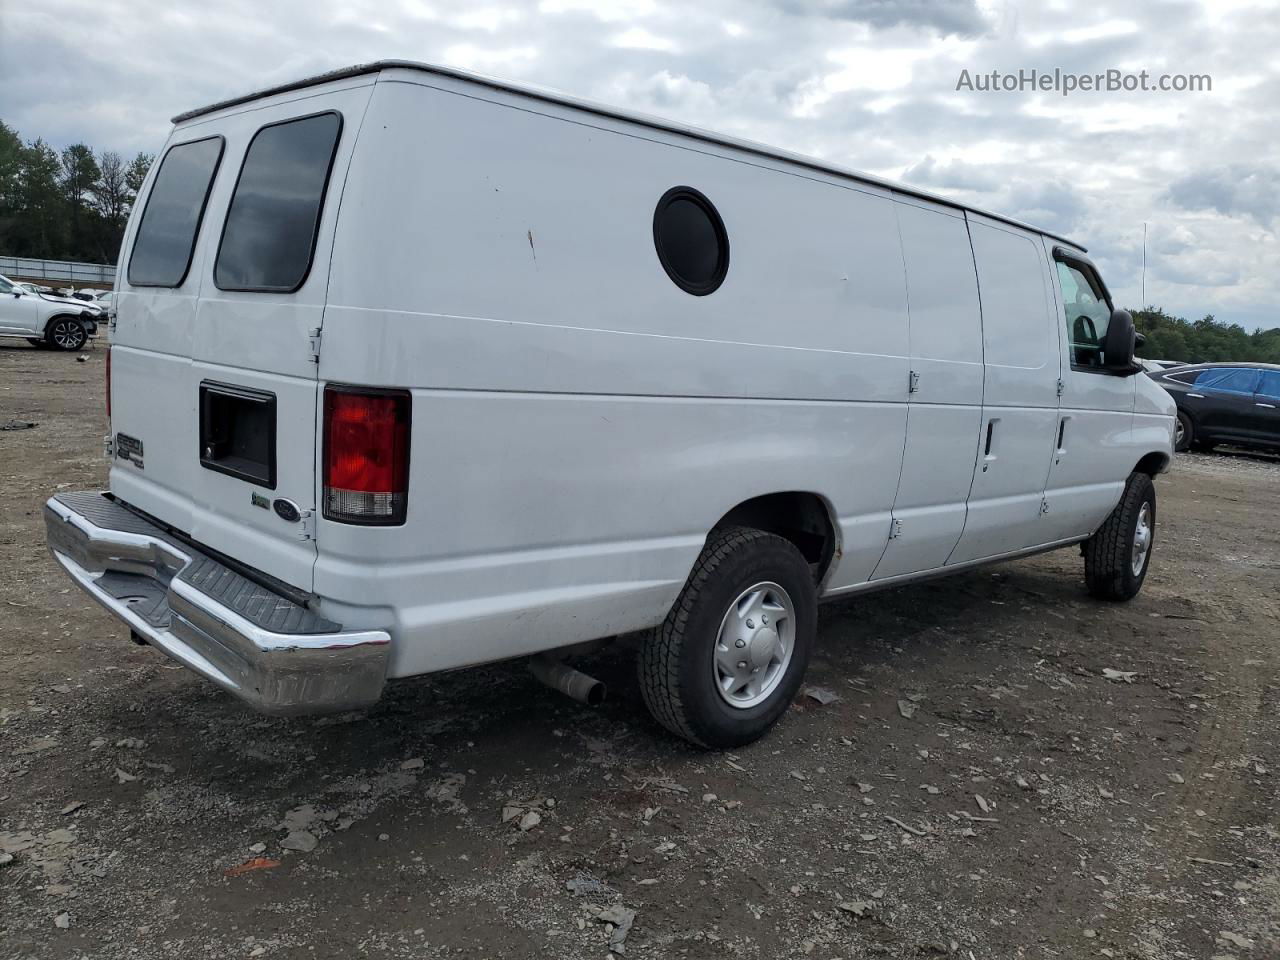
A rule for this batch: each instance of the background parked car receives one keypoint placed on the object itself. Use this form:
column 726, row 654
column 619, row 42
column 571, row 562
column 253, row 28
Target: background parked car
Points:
column 44, row 320
column 107, row 301
column 93, row 312
column 1237, row 403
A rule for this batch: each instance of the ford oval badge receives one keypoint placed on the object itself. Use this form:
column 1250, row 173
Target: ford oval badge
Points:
column 287, row 510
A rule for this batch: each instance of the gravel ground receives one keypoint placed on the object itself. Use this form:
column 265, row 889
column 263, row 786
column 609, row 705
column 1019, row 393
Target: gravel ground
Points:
column 978, row 787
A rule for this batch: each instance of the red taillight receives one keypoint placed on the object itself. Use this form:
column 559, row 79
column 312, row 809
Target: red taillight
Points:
column 366, row 455
column 108, row 381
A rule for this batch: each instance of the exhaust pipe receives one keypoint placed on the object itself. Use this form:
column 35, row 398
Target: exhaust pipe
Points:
column 572, row 683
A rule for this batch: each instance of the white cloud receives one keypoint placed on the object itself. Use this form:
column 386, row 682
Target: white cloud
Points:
column 469, row 56
column 638, row 38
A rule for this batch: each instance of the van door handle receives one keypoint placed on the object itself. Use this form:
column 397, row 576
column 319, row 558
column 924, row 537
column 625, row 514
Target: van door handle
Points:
column 1198, row 396
column 987, row 455
column 1269, row 406
column 1061, row 448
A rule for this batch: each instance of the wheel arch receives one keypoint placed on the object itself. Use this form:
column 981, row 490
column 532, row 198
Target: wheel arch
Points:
column 1153, row 463
column 803, row 517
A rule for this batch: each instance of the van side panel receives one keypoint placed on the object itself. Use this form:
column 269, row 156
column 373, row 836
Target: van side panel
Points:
column 1020, row 394
column 945, row 412
column 579, row 422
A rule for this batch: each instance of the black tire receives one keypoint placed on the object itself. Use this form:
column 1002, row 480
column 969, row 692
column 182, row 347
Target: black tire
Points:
column 1187, row 431
column 1111, row 554
column 678, row 676
column 65, row 333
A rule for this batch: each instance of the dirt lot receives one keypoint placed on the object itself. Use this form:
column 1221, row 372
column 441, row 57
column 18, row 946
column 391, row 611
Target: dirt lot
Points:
column 1027, row 807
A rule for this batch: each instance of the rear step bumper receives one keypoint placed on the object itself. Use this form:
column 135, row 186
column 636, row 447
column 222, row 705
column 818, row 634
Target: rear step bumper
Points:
column 261, row 646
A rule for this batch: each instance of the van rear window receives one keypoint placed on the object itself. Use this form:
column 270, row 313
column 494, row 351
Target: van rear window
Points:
column 166, row 236
column 269, row 236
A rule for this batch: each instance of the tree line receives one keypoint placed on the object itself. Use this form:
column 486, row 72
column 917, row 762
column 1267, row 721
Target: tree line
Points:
column 1204, row 340
column 65, row 206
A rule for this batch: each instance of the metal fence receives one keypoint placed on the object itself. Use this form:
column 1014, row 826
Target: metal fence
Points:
column 60, row 271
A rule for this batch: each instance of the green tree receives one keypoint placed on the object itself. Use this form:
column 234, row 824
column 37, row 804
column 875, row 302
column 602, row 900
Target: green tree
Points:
column 136, row 173
column 39, row 228
column 1174, row 338
column 10, row 167
column 80, row 179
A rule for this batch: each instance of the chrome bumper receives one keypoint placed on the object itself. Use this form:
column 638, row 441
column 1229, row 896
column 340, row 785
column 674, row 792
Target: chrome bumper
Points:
column 263, row 647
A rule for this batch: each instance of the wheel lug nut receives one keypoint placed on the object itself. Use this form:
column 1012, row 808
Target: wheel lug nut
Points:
column 750, row 625
column 764, row 619
column 754, row 669
column 742, row 665
column 739, row 643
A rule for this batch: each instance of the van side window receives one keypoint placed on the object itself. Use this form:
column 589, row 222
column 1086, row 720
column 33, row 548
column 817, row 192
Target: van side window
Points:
column 1087, row 314
column 691, row 241
column 171, row 219
column 269, row 236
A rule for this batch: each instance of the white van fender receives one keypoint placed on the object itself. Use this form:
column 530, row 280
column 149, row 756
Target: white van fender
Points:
column 804, row 517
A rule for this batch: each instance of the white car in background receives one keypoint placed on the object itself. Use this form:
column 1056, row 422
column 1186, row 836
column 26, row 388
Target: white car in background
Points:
column 107, row 301
column 98, row 309
column 46, row 320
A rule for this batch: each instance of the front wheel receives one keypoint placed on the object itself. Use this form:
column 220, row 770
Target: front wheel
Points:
column 66, row 333
column 1117, row 556
column 729, row 658
column 1183, row 432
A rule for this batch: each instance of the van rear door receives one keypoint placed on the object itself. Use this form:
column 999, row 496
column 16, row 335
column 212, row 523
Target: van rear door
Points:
column 214, row 374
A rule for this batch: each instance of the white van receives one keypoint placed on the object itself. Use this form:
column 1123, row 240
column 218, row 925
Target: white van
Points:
column 414, row 370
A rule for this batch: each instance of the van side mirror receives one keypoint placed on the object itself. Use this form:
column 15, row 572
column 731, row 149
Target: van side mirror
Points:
column 1119, row 343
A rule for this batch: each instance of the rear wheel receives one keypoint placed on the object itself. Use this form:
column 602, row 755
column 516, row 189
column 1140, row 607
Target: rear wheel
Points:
column 729, row 658
column 1183, row 432
column 1117, row 557
column 66, row 333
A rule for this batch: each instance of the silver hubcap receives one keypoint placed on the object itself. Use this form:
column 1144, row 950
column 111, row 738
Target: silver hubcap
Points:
column 1142, row 539
column 1179, row 432
column 67, row 334
column 753, row 649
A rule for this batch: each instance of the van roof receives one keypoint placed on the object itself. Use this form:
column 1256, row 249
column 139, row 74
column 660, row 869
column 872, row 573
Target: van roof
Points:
column 551, row 96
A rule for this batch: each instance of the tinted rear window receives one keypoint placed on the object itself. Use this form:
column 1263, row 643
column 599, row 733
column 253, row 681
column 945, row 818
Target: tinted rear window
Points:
column 166, row 236
column 270, row 232
column 1269, row 385
column 1229, row 379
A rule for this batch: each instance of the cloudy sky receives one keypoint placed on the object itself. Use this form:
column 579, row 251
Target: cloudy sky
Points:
column 869, row 84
